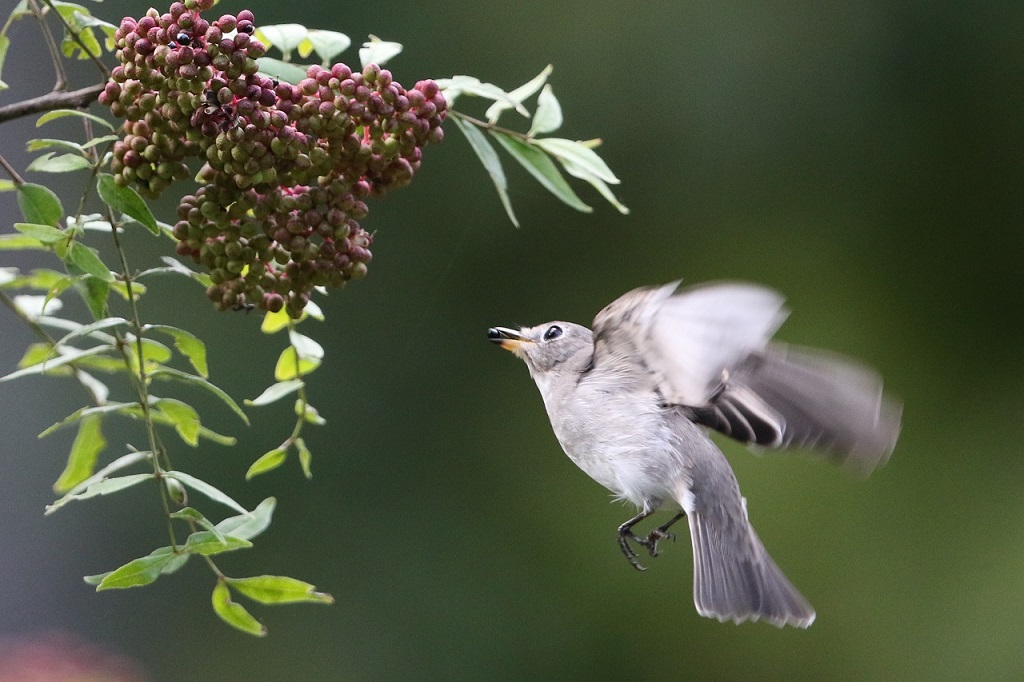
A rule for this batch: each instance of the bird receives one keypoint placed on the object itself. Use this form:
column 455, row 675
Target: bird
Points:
column 632, row 403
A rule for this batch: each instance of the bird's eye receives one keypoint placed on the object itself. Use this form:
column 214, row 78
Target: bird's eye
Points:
column 553, row 332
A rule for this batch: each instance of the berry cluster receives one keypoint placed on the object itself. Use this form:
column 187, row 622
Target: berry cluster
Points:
column 286, row 167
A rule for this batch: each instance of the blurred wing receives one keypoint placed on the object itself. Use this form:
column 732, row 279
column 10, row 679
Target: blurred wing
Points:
column 794, row 397
column 686, row 339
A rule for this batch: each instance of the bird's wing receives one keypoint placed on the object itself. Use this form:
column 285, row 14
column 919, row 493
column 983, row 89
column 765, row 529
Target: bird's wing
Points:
column 784, row 396
column 707, row 348
column 688, row 338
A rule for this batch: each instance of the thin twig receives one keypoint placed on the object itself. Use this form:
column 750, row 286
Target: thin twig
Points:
column 18, row 180
column 74, row 36
column 488, row 126
column 51, row 44
column 77, row 99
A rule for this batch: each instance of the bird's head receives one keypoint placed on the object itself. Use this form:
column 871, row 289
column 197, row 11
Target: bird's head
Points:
column 546, row 346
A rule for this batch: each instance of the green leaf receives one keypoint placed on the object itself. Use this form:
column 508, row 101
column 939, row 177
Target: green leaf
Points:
column 55, row 363
column 577, row 158
column 305, row 457
column 267, row 462
column 7, row 185
column 43, row 233
column 208, row 542
column 19, row 242
column 5, row 42
column 48, row 163
column 520, row 94
column 61, row 113
column 307, row 348
column 542, row 168
column 94, row 292
column 188, row 344
column 88, row 445
column 49, row 143
column 83, row 412
column 87, row 329
column 282, row 71
column 250, row 524
column 88, row 260
column 275, row 392
column 39, row 205
column 290, row 365
column 308, row 413
column 104, row 487
column 285, row 37
column 206, row 489
column 193, row 516
column 234, row 614
column 491, row 163
column 328, row 44
column 127, row 201
column 470, row 85
column 377, row 51
column 275, row 322
column 184, row 417
column 548, row 116
column 176, row 562
column 185, row 377
column 138, row 572
column 122, row 462
column 276, row 589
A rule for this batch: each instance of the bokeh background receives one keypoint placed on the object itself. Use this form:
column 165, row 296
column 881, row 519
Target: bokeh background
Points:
column 863, row 157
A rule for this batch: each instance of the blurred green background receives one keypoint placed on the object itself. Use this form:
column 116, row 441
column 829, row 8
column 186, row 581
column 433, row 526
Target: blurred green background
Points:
column 865, row 158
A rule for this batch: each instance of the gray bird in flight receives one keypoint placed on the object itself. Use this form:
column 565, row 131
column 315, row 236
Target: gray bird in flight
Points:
column 630, row 403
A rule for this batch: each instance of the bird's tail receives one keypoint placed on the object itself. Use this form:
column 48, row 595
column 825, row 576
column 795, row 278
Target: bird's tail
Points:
column 735, row 579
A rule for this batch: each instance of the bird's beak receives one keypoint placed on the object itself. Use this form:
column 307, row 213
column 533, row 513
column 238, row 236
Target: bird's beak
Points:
column 509, row 339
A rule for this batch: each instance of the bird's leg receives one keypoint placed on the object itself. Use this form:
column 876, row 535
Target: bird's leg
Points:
column 626, row 534
column 661, row 533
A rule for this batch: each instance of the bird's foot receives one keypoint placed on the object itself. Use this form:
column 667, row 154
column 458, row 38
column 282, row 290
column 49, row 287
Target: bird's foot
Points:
column 654, row 537
column 631, row 555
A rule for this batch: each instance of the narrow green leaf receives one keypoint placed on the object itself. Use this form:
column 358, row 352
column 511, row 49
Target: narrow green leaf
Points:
column 305, row 457
column 51, row 143
column 234, row 614
column 543, row 169
column 138, row 572
column 520, row 94
column 267, row 462
column 48, row 163
column 39, row 204
column 208, row 543
column 491, row 163
column 104, row 487
column 99, row 390
column 88, row 445
column 308, row 413
column 127, row 201
column 95, row 580
column 61, row 113
column 577, row 157
column 5, row 42
column 135, row 412
column 184, row 417
column 377, row 51
column 548, row 116
column 328, row 44
column 193, row 515
column 275, row 392
column 84, row 412
column 185, row 377
column 290, row 365
column 88, row 259
column 278, row 589
column 122, row 462
column 176, row 562
column 282, row 71
column 43, row 233
column 307, row 348
column 87, row 329
column 250, row 524
column 19, row 242
column 55, row 363
column 206, row 489
column 6, row 185
column 457, row 85
column 188, row 344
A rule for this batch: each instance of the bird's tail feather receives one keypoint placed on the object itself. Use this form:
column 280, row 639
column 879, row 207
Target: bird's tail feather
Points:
column 741, row 583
